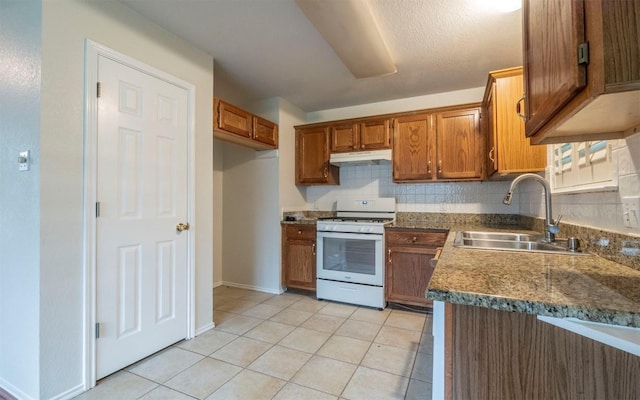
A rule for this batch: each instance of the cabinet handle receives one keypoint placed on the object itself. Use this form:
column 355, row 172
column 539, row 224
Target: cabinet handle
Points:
column 519, row 108
column 414, row 239
column 389, row 256
column 313, row 249
column 429, row 167
column 299, row 231
column 434, row 260
column 491, row 155
column 326, row 171
column 440, row 167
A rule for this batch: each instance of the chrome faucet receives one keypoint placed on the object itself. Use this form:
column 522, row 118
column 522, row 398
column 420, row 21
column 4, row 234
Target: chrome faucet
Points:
column 550, row 226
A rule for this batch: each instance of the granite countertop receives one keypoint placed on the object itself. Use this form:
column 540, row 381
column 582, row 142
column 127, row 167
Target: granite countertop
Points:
column 589, row 287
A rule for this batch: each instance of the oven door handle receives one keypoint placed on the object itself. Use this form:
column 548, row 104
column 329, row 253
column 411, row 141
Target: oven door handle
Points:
column 343, row 235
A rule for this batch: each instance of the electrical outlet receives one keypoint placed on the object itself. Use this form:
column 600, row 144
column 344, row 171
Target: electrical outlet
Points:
column 631, row 211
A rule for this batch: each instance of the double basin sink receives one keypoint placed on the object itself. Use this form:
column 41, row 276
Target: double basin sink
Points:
column 512, row 241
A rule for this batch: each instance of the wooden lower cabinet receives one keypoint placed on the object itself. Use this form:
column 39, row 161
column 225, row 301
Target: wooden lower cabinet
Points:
column 508, row 355
column 408, row 264
column 299, row 256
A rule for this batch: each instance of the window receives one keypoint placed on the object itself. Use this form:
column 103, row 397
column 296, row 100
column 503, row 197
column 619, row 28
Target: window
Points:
column 583, row 167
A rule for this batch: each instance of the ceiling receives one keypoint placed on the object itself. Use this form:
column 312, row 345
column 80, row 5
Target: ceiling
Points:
column 268, row 48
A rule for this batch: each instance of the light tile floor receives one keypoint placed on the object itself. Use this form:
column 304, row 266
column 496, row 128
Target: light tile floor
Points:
column 288, row 346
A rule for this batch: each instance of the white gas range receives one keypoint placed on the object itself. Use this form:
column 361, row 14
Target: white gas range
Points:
column 350, row 256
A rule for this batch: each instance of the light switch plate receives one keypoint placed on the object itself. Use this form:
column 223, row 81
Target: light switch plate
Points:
column 23, row 161
column 631, row 211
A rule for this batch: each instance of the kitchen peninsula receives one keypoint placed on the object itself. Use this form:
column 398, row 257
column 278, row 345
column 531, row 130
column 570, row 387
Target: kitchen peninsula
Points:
column 486, row 305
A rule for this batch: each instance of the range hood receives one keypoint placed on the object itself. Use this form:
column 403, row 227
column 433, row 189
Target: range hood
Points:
column 361, row 157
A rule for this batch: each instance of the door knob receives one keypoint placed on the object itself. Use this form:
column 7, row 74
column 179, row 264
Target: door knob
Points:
column 182, row 227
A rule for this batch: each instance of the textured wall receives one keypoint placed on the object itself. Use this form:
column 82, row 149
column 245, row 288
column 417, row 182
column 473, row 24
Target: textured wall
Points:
column 20, row 44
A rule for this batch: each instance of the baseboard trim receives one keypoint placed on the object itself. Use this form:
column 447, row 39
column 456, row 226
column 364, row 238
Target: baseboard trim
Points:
column 251, row 287
column 11, row 392
column 205, row 328
column 70, row 394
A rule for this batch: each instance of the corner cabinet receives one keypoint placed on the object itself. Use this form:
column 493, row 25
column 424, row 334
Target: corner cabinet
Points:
column 408, row 264
column 581, row 75
column 299, row 256
column 444, row 144
column 312, row 158
column 508, row 150
column 235, row 125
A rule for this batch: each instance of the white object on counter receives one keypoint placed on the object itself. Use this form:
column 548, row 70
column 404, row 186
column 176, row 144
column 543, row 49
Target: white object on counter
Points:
column 621, row 337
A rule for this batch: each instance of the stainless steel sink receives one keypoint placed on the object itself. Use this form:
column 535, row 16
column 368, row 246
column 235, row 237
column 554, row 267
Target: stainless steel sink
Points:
column 511, row 236
column 510, row 241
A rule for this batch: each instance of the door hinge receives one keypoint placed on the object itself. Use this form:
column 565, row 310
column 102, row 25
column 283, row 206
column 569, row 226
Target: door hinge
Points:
column 97, row 209
column 98, row 89
column 583, row 53
column 97, row 330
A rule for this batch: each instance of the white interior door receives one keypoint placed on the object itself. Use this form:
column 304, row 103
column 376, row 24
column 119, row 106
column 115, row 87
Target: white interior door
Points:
column 141, row 257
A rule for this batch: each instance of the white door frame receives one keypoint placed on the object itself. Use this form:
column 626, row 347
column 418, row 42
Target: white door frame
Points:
column 92, row 51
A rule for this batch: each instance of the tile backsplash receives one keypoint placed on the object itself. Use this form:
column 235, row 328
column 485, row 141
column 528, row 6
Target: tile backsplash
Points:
column 366, row 181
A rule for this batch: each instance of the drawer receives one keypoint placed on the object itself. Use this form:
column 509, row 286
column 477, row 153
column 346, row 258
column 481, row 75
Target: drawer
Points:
column 415, row 237
column 302, row 232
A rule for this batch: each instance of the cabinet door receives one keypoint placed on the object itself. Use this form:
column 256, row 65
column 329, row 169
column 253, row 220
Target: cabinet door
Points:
column 412, row 148
column 312, row 157
column 492, row 142
column 514, row 152
column 552, row 31
column 375, row 134
column 459, row 144
column 300, row 264
column 265, row 131
column 299, row 256
column 408, row 274
column 344, row 138
column 234, row 120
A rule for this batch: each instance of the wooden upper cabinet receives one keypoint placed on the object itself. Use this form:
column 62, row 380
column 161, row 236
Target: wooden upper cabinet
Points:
column 233, row 124
column 508, row 150
column 412, row 148
column 232, row 119
column 374, row 134
column 312, row 158
column 581, row 75
column 344, row 137
column 265, row 131
column 459, row 144
column 555, row 78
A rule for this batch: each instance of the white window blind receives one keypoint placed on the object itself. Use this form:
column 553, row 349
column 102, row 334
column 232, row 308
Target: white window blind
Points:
column 583, row 167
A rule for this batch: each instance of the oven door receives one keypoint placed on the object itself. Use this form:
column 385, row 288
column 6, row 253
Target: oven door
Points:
column 350, row 257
